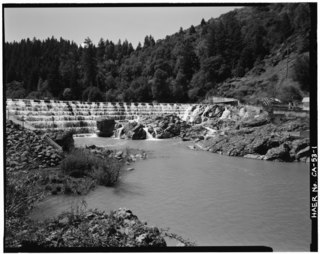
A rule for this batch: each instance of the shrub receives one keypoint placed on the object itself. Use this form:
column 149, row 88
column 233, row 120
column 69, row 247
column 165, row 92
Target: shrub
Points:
column 65, row 140
column 81, row 162
column 289, row 91
column 77, row 163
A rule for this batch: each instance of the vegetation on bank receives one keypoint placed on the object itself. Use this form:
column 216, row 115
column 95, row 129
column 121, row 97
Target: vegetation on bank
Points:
column 81, row 162
column 79, row 171
column 83, row 229
column 187, row 66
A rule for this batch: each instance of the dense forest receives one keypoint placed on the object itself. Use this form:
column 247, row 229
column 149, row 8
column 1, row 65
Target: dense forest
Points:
column 187, row 66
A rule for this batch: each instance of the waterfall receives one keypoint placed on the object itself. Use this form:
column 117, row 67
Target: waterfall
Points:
column 194, row 114
column 137, row 119
column 186, row 113
column 118, row 132
column 63, row 115
column 149, row 136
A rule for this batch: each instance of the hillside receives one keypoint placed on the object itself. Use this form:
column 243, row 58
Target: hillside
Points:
column 251, row 52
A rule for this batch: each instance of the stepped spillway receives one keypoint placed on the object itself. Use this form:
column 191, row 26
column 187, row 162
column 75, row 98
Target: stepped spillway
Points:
column 53, row 114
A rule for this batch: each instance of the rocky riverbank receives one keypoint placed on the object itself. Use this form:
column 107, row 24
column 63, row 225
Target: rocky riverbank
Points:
column 33, row 172
column 231, row 130
column 252, row 135
column 89, row 229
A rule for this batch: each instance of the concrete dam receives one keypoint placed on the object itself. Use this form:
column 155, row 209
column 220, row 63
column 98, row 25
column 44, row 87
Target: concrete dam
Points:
column 54, row 114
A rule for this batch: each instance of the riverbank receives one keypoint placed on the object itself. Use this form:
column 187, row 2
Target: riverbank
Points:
column 268, row 142
column 33, row 172
column 228, row 130
column 210, row 198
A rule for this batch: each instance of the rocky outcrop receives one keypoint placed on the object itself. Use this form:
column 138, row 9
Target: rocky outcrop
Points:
column 255, row 122
column 245, row 131
column 279, row 153
column 233, row 131
column 269, row 142
column 201, row 113
column 133, row 130
column 161, row 127
column 105, row 127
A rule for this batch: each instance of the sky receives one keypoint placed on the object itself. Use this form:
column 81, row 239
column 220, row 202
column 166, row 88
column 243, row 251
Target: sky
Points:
column 112, row 23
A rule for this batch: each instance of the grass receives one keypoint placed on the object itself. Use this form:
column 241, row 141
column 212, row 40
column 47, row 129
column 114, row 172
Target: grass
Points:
column 81, row 162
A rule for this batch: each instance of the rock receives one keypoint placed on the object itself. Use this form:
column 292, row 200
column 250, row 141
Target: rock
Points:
column 254, row 156
column 130, row 169
column 279, row 153
column 118, row 154
column 299, row 144
column 192, row 147
column 105, row 127
column 165, row 134
column 139, row 133
column 64, row 221
column 255, row 122
column 303, row 153
column 134, row 131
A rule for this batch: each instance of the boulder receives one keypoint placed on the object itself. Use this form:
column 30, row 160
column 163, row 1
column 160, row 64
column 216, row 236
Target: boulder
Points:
column 254, row 156
column 299, row 144
column 303, row 153
column 255, row 122
column 135, row 131
column 105, row 127
column 195, row 132
column 119, row 154
column 279, row 153
column 139, row 133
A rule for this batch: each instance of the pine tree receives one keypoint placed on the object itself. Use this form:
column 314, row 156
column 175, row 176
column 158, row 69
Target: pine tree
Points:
column 192, row 30
column 203, row 22
column 89, row 63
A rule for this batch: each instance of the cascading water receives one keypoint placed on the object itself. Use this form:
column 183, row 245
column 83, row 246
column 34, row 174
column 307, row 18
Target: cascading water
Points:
column 194, row 114
column 187, row 113
column 149, row 135
column 51, row 114
column 118, row 132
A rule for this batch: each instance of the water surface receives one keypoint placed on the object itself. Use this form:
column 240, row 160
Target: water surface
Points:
column 208, row 198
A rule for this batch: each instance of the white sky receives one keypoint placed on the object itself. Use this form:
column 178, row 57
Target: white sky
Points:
column 112, row 23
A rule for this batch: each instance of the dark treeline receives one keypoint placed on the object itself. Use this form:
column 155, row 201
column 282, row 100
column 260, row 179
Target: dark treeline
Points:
column 183, row 67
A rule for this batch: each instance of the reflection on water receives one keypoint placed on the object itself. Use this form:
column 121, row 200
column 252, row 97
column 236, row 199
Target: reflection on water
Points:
column 208, row 198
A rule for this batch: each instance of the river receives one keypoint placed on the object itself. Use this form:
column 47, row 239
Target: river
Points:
column 211, row 199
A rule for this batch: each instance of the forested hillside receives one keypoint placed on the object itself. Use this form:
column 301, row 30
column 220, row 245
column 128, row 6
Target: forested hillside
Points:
column 238, row 54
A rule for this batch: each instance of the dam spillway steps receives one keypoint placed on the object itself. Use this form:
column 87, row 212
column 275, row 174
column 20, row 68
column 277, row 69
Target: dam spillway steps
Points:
column 53, row 114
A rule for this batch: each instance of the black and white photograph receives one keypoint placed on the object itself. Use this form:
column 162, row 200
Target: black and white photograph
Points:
column 159, row 127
